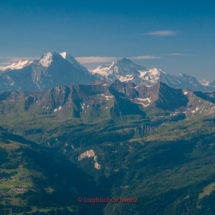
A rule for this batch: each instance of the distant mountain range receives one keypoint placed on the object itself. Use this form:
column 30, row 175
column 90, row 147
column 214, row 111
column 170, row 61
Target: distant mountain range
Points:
column 127, row 71
column 17, row 65
column 61, row 69
column 52, row 70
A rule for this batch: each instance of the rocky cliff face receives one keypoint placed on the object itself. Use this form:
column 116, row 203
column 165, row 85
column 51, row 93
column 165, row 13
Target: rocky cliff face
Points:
column 116, row 99
column 50, row 71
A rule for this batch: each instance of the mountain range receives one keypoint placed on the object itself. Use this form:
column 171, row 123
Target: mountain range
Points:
column 52, row 70
column 61, row 69
column 117, row 131
column 112, row 99
column 109, row 139
column 127, row 71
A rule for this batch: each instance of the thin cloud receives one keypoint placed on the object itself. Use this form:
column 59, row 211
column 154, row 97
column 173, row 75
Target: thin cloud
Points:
column 175, row 54
column 4, row 63
column 18, row 58
column 83, row 60
column 163, row 33
column 95, row 59
column 144, row 57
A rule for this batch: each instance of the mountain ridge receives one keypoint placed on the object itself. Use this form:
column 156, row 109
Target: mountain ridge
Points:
column 51, row 70
column 109, row 139
column 57, row 69
column 17, row 65
column 127, row 71
column 116, row 98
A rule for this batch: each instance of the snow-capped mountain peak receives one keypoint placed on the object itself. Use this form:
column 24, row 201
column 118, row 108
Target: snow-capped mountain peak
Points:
column 69, row 58
column 121, row 69
column 101, row 70
column 46, row 59
column 74, row 62
column 155, row 71
column 44, row 73
column 51, row 70
column 127, row 71
column 63, row 54
column 17, row 65
column 126, row 67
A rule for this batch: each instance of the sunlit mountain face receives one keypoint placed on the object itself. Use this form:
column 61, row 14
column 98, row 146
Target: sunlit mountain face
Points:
column 127, row 71
column 52, row 70
column 61, row 69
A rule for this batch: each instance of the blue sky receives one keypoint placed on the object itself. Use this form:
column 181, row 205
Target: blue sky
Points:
column 175, row 36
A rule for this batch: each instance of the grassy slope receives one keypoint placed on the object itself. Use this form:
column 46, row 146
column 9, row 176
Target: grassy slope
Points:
column 28, row 179
column 167, row 169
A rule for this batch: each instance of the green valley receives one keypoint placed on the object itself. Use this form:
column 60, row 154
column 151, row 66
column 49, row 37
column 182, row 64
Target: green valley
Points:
column 155, row 143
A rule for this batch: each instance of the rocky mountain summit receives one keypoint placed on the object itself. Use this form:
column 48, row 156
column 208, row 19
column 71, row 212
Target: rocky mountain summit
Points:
column 17, row 65
column 127, row 71
column 113, row 99
column 52, row 70
column 61, row 69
